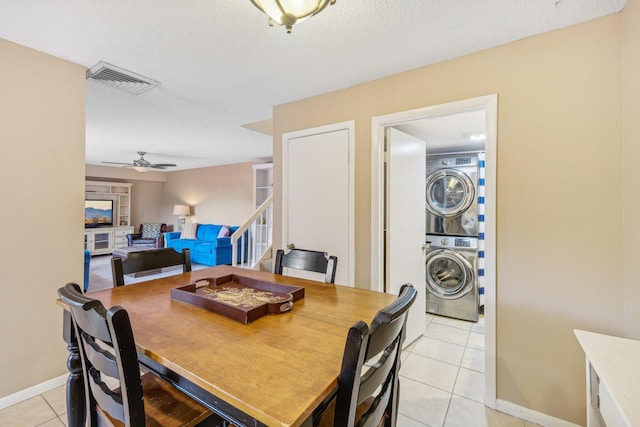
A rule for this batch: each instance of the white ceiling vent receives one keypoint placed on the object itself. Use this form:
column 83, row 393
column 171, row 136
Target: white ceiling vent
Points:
column 120, row 78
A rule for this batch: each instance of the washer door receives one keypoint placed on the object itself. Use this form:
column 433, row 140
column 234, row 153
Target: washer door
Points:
column 449, row 192
column 449, row 275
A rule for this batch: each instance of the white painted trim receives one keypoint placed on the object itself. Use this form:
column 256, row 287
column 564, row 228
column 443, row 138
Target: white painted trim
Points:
column 490, row 231
column 378, row 125
column 350, row 126
column 33, row 391
column 531, row 415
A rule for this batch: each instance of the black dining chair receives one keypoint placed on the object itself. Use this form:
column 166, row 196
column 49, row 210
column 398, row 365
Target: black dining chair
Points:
column 368, row 385
column 116, row 393
column 153, row 259
column 304, row 259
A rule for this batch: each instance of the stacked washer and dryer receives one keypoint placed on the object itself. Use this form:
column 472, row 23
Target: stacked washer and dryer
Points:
column 452, row 235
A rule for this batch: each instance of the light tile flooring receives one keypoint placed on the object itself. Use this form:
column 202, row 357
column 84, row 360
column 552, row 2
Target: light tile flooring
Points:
column 46, row 410
column 441, row 385
column 442, row 378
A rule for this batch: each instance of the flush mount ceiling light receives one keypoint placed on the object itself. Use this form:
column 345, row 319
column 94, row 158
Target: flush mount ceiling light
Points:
column 289, row 12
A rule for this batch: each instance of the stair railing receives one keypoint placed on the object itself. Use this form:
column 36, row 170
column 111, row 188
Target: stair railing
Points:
column 252, row 241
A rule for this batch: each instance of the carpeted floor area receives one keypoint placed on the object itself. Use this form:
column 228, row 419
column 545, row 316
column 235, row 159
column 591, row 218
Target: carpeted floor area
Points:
column 100, row 273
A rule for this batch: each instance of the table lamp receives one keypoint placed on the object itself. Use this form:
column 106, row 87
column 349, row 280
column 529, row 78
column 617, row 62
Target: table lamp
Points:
column 182, row 211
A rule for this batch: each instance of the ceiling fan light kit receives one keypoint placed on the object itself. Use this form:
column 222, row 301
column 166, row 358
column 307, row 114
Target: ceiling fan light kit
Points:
column 289, row 12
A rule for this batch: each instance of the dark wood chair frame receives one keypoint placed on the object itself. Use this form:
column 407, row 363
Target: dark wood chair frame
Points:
column 305, row 259
column 107, row 348
column 153, row 259
column 376, row 388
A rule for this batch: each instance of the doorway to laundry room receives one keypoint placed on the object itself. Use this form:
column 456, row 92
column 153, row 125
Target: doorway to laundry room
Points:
column 433, row 217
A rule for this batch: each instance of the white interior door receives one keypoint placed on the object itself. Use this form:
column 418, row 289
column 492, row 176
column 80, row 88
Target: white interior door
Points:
column 405, row 230
column 318, row 201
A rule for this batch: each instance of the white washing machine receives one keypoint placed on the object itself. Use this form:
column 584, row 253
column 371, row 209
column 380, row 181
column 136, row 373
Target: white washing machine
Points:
column 451, row 191
column 452, row 277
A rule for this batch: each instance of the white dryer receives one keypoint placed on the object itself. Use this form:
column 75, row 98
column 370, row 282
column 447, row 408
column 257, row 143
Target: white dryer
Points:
column 451, row 190
column 452, row 276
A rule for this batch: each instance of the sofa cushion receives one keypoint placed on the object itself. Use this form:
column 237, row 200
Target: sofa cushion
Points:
column 224, row 231
column 138, row 242
column 208, row 232
column 204, row 247
column 150, row 231
column 180, row 244
column 189, row 230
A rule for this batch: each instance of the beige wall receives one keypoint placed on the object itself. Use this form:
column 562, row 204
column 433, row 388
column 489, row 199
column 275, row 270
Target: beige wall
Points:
column 218, row 195
column 559, row 193
column 42, row 188
column 631, row 155
column 147, row 205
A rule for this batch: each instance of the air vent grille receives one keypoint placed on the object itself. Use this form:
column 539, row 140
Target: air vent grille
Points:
column 120, row 78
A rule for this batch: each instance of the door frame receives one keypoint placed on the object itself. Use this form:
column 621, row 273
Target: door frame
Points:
column 378, row 125
column 350, row 127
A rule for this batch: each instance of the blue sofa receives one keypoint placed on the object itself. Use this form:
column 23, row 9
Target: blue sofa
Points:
column 87, row 266
column 207, row 248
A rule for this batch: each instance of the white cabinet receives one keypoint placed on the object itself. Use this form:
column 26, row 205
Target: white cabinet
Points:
column 120, row 236
column 119, row 192
column 99, row 241
column 262, row 182
column 103, row 240
column 262, row 228
column 613, row 379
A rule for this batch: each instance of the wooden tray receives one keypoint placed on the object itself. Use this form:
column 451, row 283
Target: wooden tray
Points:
column 241, row 298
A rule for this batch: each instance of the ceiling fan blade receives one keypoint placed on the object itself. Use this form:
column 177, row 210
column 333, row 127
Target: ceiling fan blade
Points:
column 119, row 163
column 142, row 163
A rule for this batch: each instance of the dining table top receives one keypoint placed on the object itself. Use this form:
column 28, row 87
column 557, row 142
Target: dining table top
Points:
column 276, row 369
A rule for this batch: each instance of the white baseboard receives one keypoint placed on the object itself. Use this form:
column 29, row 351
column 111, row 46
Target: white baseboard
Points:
column 531, row 415
column 30, row 392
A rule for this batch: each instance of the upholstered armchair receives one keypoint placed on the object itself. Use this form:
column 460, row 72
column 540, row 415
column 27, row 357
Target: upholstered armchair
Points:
column 151, row 235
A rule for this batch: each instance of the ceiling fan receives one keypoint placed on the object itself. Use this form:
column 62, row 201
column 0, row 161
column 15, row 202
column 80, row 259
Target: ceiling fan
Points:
column 143, row 165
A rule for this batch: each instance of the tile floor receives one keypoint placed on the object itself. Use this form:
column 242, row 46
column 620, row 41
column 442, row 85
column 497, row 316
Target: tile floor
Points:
column 46, row 410
column 441, row 385
column 442, row 378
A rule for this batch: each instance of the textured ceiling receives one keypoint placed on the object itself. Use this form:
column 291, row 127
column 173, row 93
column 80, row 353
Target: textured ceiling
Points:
column 222, row 68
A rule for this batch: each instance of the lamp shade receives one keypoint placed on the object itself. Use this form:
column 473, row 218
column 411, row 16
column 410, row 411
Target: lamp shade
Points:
column 181, row 210
column 142, row 169
column 288, row 12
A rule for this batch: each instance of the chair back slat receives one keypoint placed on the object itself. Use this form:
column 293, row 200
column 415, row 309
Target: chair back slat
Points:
column 377, row 373
column 377, row 410
column 383, row 335
column 371, row 365
column 107, row 400
column 152, row 259
column 103, row 360
column 308, row 260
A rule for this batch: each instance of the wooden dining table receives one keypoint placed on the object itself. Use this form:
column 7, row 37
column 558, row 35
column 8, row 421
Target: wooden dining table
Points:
column 274, row 371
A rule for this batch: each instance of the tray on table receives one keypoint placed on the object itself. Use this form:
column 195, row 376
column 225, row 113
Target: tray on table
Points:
column 238, row 297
